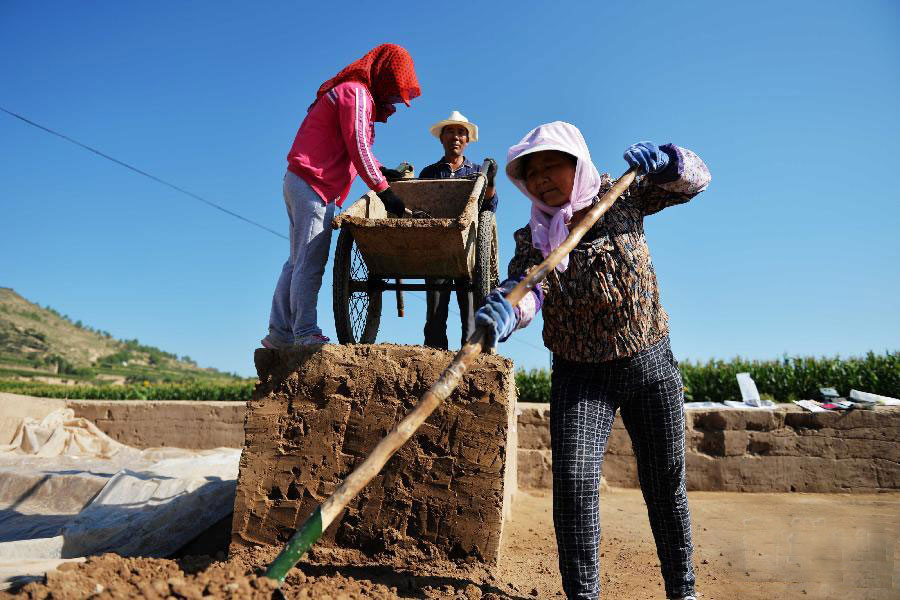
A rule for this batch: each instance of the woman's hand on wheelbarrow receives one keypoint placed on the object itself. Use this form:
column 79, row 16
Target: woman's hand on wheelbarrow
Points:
column 498, row 318
column 392, row 203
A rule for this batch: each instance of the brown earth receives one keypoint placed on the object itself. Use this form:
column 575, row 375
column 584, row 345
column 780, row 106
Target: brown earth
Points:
column 316, row 415
column 748, row 546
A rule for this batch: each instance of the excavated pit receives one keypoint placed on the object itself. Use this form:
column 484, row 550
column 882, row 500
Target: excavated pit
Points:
column 317, row 413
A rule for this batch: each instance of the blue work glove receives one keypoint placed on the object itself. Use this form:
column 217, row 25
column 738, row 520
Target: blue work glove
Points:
column 498, row 318
column 647, row 157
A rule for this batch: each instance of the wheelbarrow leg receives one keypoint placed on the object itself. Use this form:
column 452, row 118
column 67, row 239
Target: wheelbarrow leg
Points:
column 399, row 298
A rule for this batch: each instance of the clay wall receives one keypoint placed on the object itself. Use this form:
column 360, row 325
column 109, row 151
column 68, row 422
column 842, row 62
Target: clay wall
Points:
column 174, row 423
column 139, row 423
column 726, row 450
column 786, row 450
column 318, row 413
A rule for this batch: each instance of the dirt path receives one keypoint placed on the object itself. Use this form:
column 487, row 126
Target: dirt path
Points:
column 748, row 546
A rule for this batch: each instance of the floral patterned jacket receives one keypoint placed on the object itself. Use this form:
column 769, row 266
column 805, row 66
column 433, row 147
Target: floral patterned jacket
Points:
column 605, row 305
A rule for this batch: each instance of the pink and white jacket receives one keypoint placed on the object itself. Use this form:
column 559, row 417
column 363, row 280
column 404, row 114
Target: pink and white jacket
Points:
column 334, row 143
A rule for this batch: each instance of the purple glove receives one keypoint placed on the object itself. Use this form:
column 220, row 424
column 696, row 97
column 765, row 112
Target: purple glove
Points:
column 647, row 157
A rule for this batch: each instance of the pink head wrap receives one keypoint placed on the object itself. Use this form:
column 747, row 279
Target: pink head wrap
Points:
column 549, row 224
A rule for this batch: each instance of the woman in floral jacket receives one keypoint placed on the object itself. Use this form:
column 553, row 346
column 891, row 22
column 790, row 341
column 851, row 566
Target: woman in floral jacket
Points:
column 609, row 336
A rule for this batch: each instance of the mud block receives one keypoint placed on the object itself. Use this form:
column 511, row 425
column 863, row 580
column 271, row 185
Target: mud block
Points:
column 317, row 413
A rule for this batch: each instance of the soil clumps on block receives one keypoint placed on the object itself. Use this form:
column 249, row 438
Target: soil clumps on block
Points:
column 318, row 412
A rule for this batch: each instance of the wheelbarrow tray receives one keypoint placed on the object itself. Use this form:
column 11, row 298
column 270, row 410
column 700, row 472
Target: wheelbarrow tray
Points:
column 439, row 247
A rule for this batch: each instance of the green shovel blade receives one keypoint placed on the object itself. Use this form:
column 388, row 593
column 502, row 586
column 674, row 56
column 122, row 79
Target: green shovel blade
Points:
column 306, row 536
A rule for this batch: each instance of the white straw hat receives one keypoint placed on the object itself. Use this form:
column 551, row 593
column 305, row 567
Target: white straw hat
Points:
column 456, row 118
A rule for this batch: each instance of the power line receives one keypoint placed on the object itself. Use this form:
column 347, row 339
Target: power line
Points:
column 189, row 193
column 529, row 344
column 144, row 173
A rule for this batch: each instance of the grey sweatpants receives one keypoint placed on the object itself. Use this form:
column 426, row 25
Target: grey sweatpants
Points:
column 296, row 294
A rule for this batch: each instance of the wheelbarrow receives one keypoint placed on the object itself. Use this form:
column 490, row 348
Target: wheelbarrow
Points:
column 455, row 240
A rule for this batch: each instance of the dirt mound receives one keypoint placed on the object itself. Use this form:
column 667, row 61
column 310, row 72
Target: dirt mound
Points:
column 241, row 576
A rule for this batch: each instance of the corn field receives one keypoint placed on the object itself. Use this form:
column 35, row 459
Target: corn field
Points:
column 780, row 380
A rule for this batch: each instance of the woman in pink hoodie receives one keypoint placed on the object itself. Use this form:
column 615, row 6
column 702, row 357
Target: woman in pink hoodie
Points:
column 332, row 146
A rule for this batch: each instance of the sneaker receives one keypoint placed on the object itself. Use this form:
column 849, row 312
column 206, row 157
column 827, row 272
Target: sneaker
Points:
column 686, row 598
column 271, row 344
column 312, row 340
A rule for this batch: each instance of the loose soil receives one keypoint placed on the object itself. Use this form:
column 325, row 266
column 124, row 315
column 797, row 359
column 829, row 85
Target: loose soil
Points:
column 747, row 546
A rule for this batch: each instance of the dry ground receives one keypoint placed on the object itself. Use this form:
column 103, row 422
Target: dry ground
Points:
column 748, row 546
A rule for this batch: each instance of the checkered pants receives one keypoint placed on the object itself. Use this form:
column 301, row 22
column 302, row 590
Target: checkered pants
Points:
column 584, row 398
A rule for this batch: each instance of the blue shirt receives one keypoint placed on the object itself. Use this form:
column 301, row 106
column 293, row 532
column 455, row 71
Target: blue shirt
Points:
column 441, row 170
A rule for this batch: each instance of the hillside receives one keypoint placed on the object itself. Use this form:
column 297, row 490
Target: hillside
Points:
column 38, row 343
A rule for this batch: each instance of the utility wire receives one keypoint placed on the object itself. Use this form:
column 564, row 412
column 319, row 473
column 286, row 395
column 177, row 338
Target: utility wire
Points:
column 190, row 194
column 145, row 174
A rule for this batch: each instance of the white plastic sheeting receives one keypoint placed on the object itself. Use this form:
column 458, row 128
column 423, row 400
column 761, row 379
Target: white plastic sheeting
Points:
column 62, row 434
column 859, row 396
column 67, row 490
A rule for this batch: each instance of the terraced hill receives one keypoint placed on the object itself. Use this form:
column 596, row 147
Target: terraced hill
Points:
column 37, row 343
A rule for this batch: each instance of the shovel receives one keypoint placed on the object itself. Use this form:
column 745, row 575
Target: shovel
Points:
column 311, row 529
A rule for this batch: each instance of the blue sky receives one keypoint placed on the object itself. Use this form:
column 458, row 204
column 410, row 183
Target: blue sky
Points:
column 795, row 108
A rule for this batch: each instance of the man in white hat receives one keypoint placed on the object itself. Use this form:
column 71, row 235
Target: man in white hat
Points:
column 455, row 133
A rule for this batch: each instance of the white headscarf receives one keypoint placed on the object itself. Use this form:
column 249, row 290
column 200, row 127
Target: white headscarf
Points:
column 549, row 224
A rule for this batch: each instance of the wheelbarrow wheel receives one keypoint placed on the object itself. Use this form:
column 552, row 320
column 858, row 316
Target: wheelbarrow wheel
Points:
column 487, row 273
column 357, row 309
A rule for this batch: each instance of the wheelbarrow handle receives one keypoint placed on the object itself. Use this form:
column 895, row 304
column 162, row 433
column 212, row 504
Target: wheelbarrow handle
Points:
column 486, row 165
